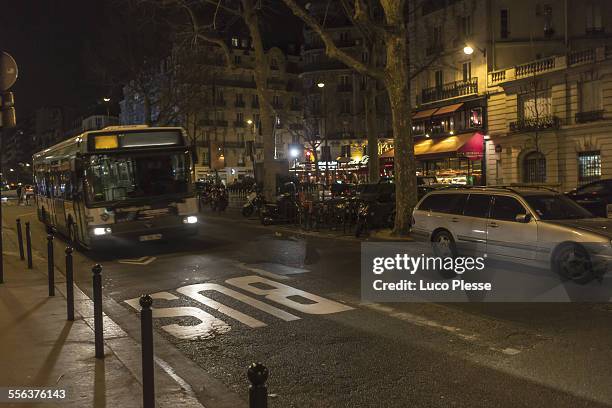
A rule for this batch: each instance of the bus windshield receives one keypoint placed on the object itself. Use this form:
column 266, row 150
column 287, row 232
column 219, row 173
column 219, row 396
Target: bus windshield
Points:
column 129, row 177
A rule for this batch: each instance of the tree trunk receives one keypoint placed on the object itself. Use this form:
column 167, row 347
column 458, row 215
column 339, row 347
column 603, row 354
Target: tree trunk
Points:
column 398, row 89
column 370, row 118
column 261, row 80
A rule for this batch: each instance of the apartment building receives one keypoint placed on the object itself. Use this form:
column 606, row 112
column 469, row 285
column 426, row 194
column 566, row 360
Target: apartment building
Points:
column 334, row 94
column 219, row 106
column 550, row 93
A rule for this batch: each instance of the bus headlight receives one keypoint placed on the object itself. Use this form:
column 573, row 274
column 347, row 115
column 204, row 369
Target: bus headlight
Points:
column 192, row 219
column 102, row 231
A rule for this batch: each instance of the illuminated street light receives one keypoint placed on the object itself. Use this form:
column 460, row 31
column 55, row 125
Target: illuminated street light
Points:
column 321, row 85
column 468, row 50
column 11, row 169
column 106, row 99
column 294, row 152
column 249, row 121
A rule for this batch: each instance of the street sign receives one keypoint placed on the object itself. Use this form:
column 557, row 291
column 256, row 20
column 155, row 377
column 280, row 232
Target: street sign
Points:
column 8, row 71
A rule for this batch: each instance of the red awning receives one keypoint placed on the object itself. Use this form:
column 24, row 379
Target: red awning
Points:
column 473, row 148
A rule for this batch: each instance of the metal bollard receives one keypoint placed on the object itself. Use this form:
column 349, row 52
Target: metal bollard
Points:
column 258, row 390
column 69, row 285
column 146, row 338
column 97, row 301
column 28, row 244
column 50, row 265
column 20, row 239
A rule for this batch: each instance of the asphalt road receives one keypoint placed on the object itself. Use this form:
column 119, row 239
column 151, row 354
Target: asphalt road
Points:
column 293, row 303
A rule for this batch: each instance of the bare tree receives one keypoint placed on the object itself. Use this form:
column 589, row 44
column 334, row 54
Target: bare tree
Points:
column 391, row 32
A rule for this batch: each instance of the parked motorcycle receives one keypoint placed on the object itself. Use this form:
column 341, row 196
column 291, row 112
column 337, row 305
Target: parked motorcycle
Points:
column 376, row 208
column 286, row 208
column 218, row 198
column 254, row 203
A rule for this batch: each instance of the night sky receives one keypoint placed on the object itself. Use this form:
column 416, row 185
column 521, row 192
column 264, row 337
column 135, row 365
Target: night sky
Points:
column 49, row 39
column 46, row 38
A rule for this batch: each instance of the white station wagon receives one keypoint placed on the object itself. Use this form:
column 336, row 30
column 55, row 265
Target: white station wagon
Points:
column 521, row 224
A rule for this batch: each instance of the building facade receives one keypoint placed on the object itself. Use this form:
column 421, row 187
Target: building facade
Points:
column 220, row 108
column 549, row 91
column 334, row 94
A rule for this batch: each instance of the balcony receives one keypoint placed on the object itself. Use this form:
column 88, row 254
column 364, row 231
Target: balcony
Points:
column 324, row 66
column 277, row 105
column 450, row 90
column 239, row 123
column 345, row 88
column 547, row 65
column 592, row 116
column 276, row 84
column 535, row 124
column 296, row 126
column 239, row 104
column 434, row 49
column 219, row 102
column 295, row 107
column 255, row 105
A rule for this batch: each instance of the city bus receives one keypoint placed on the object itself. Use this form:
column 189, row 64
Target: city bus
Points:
column 119, row 184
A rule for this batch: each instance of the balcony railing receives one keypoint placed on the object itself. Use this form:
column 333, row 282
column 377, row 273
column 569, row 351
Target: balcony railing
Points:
column 239, row 104
column 548, row 64
column 535, row 67
column 255, row 105
column 294, row 107
column 345, row 88
column 434, row 49
column 277, row 105
column 239, row 123
column 591, row 116
column 534, row 124
column 450, row 90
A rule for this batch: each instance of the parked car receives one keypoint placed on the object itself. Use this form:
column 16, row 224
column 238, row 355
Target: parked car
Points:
column 527, row 225
column 595, row 196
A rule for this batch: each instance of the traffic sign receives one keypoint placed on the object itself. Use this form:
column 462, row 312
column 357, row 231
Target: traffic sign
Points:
column 8, row 71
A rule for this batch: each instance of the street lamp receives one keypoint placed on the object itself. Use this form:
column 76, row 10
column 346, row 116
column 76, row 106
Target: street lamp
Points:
column 106, row 101
column 249, row 122
column 468, row 49
column 321, row 85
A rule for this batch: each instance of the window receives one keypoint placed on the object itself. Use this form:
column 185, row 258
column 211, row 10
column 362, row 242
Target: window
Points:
column 466, row 26
column 548, row 20
column 274, row 64
column 506, row 208
column 235, row 42
column 589, row 166
column 437, row 36
column 476, row 117
column 237, row 59
column 445, row 203
column 365, row 57
column 344, row 80
column 346, row 106
column 535, row 106
column 275, row 100
column 477, row 205
column 593, row 18
column 503, row 24
column 439, row 78
column 239, row 117
column 245, row 43
column 466, row 71
column 590, row 96
column 534, row 168
column 239, row 98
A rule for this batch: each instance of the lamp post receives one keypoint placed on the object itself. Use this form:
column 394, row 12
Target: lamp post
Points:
column 321, row 86
column 107, row 102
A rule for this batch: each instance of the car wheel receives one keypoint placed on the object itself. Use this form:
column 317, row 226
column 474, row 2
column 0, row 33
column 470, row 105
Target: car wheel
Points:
column 444, row 246
column 573, row 262
column 247, row 211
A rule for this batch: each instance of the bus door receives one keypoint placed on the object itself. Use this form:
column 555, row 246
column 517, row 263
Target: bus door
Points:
column 58, row 203
column 78, row 205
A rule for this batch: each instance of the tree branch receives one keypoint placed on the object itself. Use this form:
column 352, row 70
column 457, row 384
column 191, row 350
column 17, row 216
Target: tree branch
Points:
column 331, row 49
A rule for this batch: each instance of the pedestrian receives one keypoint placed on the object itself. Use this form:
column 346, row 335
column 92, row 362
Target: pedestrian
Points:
column 19, row 189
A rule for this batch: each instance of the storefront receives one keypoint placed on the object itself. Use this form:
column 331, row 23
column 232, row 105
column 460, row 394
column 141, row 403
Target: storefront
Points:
column 456, row 159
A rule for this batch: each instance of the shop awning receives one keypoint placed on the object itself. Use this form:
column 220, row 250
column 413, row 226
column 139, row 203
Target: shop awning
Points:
column 467, row 145
column 446, row 110
column 424, row 114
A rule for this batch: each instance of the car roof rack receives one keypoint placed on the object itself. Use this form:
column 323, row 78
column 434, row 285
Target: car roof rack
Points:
column 516, row 186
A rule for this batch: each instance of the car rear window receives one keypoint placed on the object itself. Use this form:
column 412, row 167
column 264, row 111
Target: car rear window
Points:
column 444, row 203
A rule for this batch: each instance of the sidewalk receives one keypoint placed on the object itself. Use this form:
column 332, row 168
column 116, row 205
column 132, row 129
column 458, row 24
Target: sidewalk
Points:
column 40, row 348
